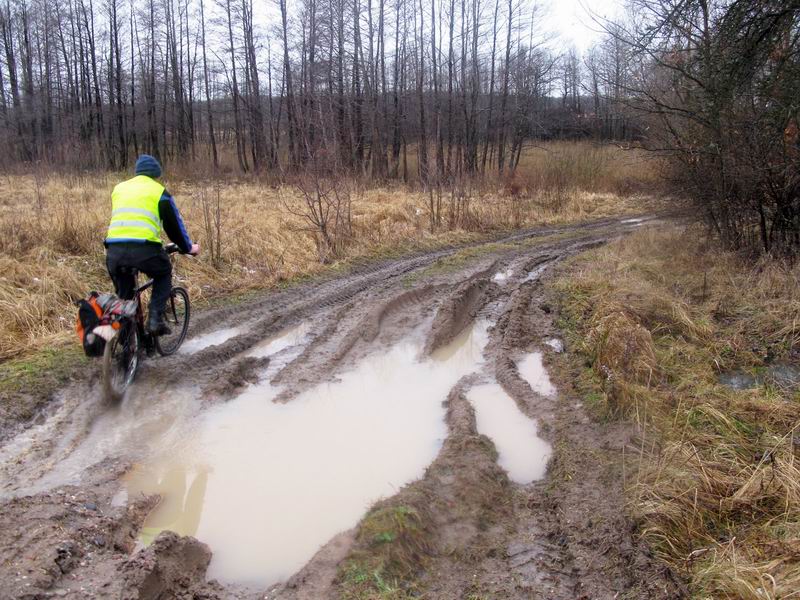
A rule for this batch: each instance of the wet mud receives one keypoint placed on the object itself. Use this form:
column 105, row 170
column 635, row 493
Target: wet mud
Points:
column 243, row 466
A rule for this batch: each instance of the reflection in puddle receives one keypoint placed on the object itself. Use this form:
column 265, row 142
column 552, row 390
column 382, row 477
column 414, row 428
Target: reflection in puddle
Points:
column 466, row 347
column 502, row 276
column 738, row 380
column 212, row 338
column 521, row 452
column 632, row 221
column 279, row 480
column 532, row 369
column 179, row 508
column 783, row 376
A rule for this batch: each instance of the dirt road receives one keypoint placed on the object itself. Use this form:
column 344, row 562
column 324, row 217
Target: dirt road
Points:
column 434, row 383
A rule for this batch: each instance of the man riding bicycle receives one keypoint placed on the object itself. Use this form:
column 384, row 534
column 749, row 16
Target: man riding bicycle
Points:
column 140, row 207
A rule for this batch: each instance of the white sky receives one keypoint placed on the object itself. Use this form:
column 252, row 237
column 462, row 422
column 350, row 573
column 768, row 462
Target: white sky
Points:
column 570, row 22
column 571, row 19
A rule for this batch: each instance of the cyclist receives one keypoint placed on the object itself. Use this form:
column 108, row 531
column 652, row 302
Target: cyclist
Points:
column 139, row 208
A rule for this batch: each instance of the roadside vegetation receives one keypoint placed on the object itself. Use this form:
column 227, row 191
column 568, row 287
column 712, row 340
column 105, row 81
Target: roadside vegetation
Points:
column 255, row 235
column 714, row 481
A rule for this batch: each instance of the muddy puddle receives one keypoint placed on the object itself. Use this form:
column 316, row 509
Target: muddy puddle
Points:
column 521, row 452
column 533, row 371
column 266, row 484
column 503, row 276
column 213, row 338
column 280, row 342
column 634, row 222
column 556, row 344
column 535, row 273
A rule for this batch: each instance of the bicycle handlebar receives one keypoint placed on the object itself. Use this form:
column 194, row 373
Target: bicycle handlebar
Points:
column 172, row 248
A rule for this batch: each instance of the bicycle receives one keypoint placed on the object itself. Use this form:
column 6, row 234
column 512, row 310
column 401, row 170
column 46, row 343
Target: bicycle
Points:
column 122, row 354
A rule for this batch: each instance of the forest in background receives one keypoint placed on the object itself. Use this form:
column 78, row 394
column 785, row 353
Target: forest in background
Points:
column 276, row 85
column 424, row 91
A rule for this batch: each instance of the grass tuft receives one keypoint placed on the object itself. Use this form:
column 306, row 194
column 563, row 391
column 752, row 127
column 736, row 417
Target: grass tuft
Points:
column 392, row 546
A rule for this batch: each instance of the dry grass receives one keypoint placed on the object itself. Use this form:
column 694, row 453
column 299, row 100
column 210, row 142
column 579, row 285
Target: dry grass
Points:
column 660, row 315
column 566, row 167
column 52, row 227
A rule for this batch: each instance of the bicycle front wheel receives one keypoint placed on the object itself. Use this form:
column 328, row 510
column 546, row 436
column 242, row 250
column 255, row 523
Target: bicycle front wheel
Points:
column 176, row 315
column 120, row 362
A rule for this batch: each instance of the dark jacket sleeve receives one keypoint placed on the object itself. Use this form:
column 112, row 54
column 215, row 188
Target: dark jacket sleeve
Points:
column 173, row 223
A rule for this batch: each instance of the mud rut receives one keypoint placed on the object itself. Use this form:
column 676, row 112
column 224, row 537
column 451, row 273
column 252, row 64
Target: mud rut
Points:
column 64, row 532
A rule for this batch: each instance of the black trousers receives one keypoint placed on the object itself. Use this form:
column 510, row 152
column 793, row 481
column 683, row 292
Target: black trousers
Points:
column 150, row 259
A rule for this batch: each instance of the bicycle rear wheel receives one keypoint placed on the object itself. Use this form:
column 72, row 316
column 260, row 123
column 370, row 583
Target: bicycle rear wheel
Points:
column 120, row 362
column 176, row 315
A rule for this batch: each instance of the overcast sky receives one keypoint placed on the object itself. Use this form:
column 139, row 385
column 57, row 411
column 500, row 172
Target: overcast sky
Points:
column 570, row 19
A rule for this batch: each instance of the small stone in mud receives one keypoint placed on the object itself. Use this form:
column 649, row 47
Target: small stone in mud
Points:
column 99, row 541
column 65, row 557
column 90, row 506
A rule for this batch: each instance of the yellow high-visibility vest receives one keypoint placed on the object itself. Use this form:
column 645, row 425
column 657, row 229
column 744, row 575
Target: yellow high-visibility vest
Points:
column 134, row 210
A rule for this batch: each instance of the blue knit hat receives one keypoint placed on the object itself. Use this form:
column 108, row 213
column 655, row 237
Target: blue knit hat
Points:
column 147, row 165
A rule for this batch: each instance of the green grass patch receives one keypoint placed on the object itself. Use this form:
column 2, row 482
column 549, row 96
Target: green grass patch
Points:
column 391, row 549
column 51, row 366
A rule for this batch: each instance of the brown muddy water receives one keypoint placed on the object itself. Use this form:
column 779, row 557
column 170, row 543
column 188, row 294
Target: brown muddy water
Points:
column 521, row 452
column 502, row 276
column 533, row 371
column 266, row 484
column 276, row 344
column 213, row 338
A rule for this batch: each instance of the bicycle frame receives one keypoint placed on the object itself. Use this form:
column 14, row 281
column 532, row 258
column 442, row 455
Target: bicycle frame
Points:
column 147, row 340
column 144, row 335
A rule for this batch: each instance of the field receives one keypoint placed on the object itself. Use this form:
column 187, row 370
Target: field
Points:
column 254, row 234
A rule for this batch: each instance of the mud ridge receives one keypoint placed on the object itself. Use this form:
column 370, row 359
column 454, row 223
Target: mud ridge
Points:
column 459, row 310
column 460, row 501
column 236, row 376
column 369, row 327
column 300, row 374
column 571, row 538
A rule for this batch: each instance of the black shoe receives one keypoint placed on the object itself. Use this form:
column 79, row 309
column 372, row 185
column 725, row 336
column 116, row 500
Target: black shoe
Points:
column 157, row 326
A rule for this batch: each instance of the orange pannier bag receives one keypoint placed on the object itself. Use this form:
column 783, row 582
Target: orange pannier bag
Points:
column 90, row 315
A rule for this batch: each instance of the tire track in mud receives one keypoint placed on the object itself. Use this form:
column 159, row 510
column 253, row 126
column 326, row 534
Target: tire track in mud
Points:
column 473, row 514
